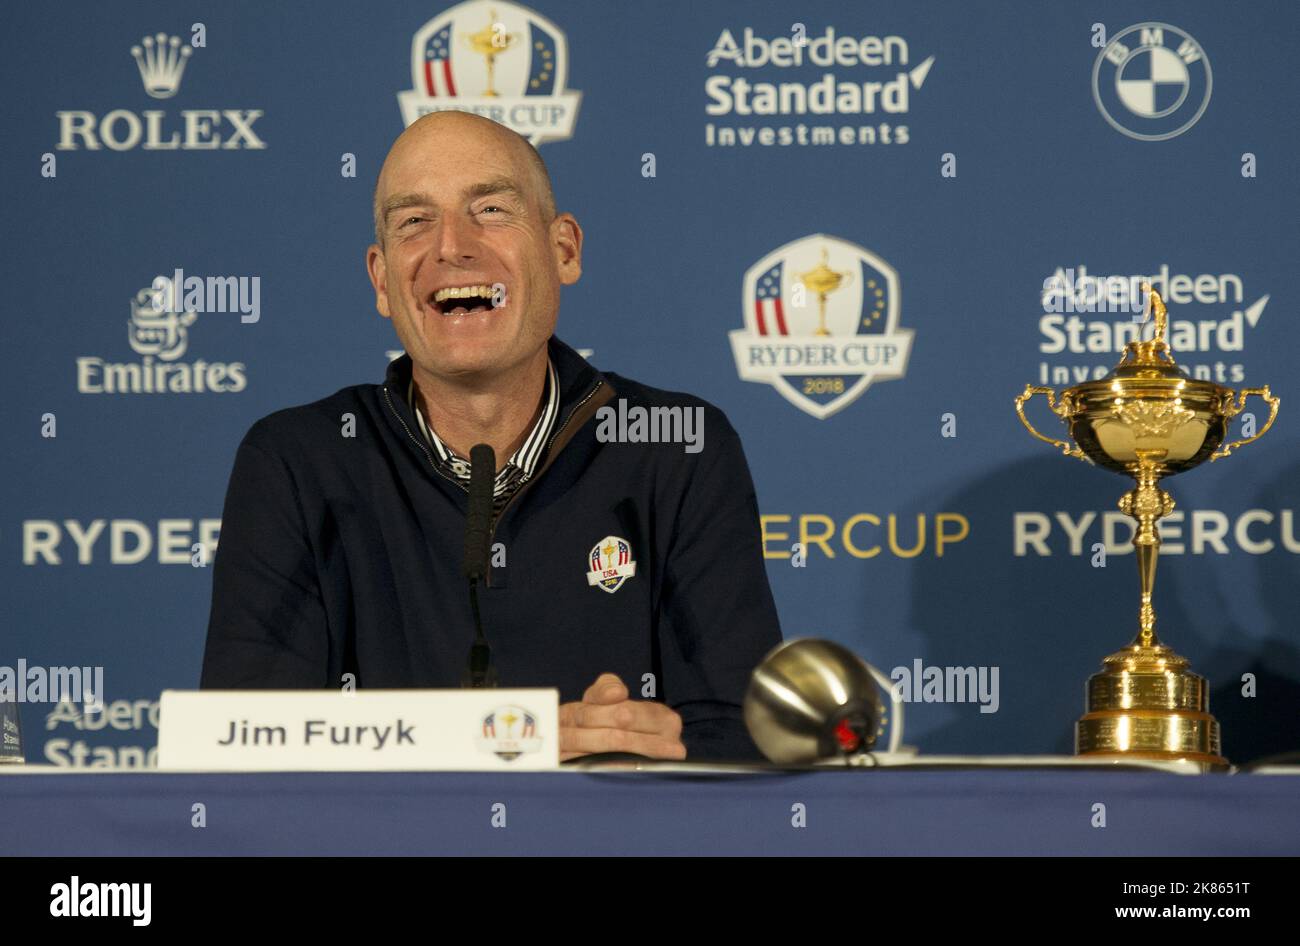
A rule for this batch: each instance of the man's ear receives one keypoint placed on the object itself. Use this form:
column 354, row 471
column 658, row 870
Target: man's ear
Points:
column 377, row 267
column 566, row 241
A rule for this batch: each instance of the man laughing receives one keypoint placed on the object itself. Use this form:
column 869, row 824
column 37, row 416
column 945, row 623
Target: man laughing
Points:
column 620, row 569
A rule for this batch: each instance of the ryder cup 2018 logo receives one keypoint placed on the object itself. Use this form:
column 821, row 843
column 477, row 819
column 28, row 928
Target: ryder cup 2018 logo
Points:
column 611, row 564
column 508, row 732
column 498, row 60
column 821, row 324
column 1152, row 81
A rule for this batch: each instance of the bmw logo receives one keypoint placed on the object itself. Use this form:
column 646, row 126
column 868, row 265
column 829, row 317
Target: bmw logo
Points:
column 1152, row 81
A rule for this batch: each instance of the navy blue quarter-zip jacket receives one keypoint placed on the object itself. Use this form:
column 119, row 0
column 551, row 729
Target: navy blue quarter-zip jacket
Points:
column 342, row 554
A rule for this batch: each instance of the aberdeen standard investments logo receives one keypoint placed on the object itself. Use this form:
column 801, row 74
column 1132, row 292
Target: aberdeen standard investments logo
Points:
column 495, row 59
column 810, row 89
column 161, row 62
column 1152, row 81
column 821, row 324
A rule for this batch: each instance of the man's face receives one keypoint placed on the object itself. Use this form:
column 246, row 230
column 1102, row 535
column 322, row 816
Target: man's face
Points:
column 462, row 215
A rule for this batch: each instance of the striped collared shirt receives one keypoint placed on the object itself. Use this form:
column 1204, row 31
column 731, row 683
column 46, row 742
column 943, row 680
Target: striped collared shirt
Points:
column 523, row 462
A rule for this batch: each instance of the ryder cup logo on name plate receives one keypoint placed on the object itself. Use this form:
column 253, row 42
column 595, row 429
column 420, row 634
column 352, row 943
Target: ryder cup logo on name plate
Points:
column 508, row 732
column 1152, row 81
column 611, row 564
column 495, row 59
column 821, row 324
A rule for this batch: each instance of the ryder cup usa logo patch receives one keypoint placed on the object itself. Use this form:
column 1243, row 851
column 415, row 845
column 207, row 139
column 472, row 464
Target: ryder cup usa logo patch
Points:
column 610, row 563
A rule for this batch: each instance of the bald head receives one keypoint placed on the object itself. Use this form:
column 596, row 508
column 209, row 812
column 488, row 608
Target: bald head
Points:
column 446, row 130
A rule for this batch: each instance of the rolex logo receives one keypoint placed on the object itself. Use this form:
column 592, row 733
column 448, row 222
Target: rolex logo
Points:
column 161, row 60
column 162, row 63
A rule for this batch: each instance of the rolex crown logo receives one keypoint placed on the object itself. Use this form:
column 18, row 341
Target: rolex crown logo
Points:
column 162, row 62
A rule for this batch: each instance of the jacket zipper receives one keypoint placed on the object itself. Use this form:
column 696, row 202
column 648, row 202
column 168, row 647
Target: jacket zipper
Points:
column 522, row 487
column 559, row 430
column 423, row 449
column 545, row 463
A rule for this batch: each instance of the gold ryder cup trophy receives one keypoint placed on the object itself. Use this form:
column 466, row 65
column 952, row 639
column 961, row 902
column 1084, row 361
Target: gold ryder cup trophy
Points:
column 823, row 280
column 1148, row 420
column 490, row 42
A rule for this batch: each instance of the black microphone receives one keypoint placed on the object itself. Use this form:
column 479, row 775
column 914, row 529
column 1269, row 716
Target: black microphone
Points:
column 478, row 527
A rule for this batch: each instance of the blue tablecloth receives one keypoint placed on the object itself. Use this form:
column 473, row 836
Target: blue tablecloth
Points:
column 858, row 812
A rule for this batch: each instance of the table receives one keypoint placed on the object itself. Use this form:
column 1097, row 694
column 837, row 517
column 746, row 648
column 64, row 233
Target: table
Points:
column 845, row 812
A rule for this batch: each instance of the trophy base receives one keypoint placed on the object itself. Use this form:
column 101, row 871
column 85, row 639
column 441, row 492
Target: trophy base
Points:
column 1203, row 764
column 1146, row 704
column 1153, row 735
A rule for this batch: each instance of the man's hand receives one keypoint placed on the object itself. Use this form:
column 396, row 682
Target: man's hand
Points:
column 607, row 720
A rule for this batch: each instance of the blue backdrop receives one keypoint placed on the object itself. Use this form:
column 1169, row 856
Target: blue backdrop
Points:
column 947, row 157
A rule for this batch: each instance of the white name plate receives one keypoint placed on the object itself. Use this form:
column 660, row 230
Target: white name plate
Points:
column 370, row 730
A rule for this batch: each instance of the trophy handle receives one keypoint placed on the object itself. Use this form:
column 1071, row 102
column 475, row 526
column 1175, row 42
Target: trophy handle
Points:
column 1232, row 410
column 1066, row 447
